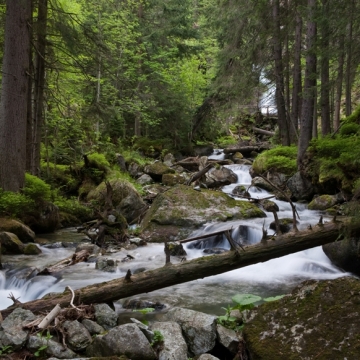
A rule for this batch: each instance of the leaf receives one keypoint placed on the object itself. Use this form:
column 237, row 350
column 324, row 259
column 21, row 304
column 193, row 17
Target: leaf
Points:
column 245, row 299
column 273, row 298
column 145, row 310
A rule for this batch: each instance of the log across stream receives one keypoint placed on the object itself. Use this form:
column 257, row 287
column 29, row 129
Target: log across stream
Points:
column 267, row 278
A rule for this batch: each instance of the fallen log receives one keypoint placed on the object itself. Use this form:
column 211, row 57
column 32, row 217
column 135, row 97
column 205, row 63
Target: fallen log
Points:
column 191, row 270
column 263, row 132
column 246, row 149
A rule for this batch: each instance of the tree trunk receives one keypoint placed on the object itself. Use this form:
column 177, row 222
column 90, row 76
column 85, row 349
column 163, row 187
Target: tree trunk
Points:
column 325, row 72
column 339, row 83
column 349, row 64
column 191, row 270
column 295, row 109
column 309, row 87
column 13, row 107
column 279, row 77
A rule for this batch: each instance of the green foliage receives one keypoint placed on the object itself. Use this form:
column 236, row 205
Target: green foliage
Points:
column 280, row 158
column 41, row 350
column 349, row 129
column 145, row 310
column 158, row 338
column 354, row 117
column 99, row 161
column 73, row 207
column 6, row 349
column 245, row 301
column 273, row 298
column 224, row 141
column 36, row 189
column 13, row 204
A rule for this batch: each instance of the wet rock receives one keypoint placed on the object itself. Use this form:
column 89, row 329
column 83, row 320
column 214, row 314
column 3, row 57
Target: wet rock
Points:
column 93, row 327
column 228, row 338
column 199, row 329
column 142, row 304
column 324, row 202
column 241, row 191
column 137, row 241
column 77, row 336
column 105, row 264
column 32, row 249
column 320, row 319
column 262, row 184
column 174, row 346
column 105, row 316
column 176, row 249
column 122, row 340
column 285, row 225
column 157, row 170
column 145, row 329
column 207, row 357
column 51, row 348
column 173, row 179
column 23, row 232
column 301, row 188
column 145, row 179
column 10, row 244
column 92, row 249
column 269, row 206
column 220, row 177
column 203, row 150
column 11, row 329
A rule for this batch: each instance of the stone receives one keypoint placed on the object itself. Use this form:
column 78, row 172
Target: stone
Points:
column 10, row 244
column 220, row 177
column 93, row 327
column 23, row 232
column 126, row 340
column 174, row 346
column 145, row 179
column 199, row 329
column 207, row 357
column 228, row 338
column 318, row 320
column 51, row 348
column 173, row 179
column 301, row 188
column 92, row 249
column 77, row 336
column 169, row 160
column 324, row 202
column 11, row 329
column 32, row 249
column 105, row 264
column 157, row 170
column 105, row 316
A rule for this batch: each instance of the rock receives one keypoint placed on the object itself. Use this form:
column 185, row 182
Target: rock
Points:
column 93, row 327
column 144, row 328
column 157, row 170
column 301, row 188
column 23, row 232
column 77, row 336
column 11, row 329
column 50, row 347
column 345, row 254
column 203, row 150
column 10, row 244
column 121, row 162
column 237, row 156
column 169, row 160
column 176, row 249
column 220, row 177
column 319, row 320
column 286, row 225
column 228, row 338
column 122, row 340
column 207, row 357
column 125, row 199
column 137, row 241
column 241, row 191
column 92, row 249
column 46, row 220
column 199, row 329
column 105, row 264
column 135, row 170
column 173, row 179
column 262, row 184
column 142, row 304
column 105, row 316
column 181, row 207
column 269, row 205
column 145, row 179
column 32, row 249
column 324, row 202
column 174, row 346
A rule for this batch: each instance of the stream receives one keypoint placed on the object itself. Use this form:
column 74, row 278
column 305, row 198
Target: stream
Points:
column 209, row 295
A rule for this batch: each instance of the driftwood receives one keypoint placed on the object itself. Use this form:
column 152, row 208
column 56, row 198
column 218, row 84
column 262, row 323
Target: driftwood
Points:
column 80, row 256
column 246, row 149
column 199, row 174
column 191, row 270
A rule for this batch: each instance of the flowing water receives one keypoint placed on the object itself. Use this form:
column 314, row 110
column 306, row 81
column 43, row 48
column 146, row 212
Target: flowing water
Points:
column 271, row 278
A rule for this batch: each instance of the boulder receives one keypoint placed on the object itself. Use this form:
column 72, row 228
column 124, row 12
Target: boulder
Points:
column 45, row 220
column 105, row 264
column 169, row 160
column 300, row 187
column 220, row 177
column 135, row 170
column 173, row 179
column 199, row 329
column 93, row 327
column 157, row 170
column 228, row 338
column 32, row 249
column 12, row 331
column 324, row 202
column 145, row 179
column 23, row 232
column 10, row 244
column 207, row 357
column 345, row 254
column 174, row 346
column 203, row 150
column 181, row 209
column 318, row 320
column 77, row 336
column 122, row 340
column 105, row 316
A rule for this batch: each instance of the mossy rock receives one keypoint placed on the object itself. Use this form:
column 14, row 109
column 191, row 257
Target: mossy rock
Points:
column 32, row 249
column 323, row 202
column 319, row 320
column 172, row 179
column 10, row 244
column 157, row 170
column 23, row 232
column 182, row 207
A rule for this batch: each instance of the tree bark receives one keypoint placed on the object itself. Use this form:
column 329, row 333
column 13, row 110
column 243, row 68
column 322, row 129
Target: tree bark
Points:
column 339, row 83
column 191, row 270
column 13, row 107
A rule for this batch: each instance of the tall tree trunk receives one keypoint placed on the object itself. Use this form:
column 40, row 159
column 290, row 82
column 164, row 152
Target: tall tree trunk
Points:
column 39, row 87
column 349, row 50
column 13, row 106
column 295, row 109
column 325, row 72
column 339, row 83
column 307, row 115
column 279, row 76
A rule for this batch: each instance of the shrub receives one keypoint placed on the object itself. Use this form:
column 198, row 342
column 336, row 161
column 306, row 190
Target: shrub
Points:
column 349, row 129
column 13, row 204
column 36, row 189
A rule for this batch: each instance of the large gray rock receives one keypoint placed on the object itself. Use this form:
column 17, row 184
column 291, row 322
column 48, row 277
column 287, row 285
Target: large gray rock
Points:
column 300, row 187
column 77, row 336
column 10, row 244
column 157, row 170
column 93, row 327
column 220, row 177
column 122, row 340
column 199, row 329
column 23, row 232
column 228, row 338
column 207, row 357
column 11, row 329
column 105, row 316
column 324, row 202
column 174, row 346
column 319, row 320
column 50, row 348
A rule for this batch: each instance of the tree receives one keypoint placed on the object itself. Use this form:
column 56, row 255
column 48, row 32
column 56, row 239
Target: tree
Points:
column 14, row 92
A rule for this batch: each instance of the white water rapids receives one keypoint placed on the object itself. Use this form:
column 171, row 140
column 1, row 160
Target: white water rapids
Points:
column 274, row 277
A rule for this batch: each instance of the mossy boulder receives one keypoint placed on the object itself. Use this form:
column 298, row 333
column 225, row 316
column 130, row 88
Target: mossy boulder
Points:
column 181, row 209
column 324, row 202
column 157, row 170
column 173, row 179
column 23, row 232
column 32, row 249
column 318, row 320
column 10, row 244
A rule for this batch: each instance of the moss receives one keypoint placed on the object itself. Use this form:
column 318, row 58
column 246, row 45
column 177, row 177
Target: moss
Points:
column 322, row 202
column 31, row 249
